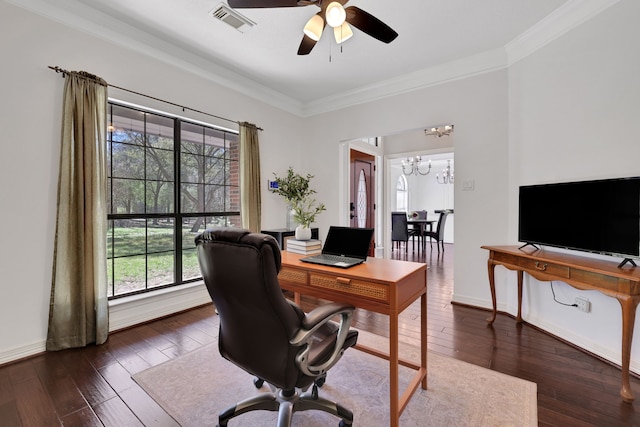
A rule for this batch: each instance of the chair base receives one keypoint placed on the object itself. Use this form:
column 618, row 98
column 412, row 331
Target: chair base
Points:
column 286, row 406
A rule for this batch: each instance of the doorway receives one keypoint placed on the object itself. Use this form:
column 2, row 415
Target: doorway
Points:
column 425, row 190
column 362, row 192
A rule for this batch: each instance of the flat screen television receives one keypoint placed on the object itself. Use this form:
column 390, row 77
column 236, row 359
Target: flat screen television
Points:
column 601, row 216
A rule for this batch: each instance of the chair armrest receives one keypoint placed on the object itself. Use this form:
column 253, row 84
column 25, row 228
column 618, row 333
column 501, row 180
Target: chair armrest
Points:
column 319, row 315
column 313, row 321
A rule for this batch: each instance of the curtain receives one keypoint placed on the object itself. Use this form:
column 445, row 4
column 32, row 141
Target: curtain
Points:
column 250, row 198
column 78, row 308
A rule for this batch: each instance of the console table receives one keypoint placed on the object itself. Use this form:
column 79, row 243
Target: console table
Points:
column 581, row 273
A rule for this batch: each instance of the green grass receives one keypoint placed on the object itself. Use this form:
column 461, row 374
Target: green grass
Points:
column 129, row 266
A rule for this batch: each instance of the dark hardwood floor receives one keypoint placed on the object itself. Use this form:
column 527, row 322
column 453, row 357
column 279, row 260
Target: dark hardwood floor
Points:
column 93, row 386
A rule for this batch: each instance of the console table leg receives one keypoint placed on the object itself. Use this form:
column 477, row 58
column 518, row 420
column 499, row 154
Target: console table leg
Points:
column 520, row 276
column 628, row 305
column 492, row 285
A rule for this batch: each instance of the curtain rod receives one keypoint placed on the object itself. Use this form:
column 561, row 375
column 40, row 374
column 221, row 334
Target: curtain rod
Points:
column 65, row 72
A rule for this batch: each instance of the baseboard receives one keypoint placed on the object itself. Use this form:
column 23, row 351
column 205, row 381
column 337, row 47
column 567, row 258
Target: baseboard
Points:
column 131, row 311
column 564, row 335
column 22, row 352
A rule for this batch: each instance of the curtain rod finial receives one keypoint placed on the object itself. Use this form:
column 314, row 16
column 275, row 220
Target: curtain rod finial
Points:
column 59, row 70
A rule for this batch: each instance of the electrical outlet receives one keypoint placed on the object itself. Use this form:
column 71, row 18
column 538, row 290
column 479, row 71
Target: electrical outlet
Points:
column 583, row 304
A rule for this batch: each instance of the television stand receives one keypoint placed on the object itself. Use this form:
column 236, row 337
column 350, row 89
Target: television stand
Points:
column 581, row 273
column 627, row 260
column 529, row 244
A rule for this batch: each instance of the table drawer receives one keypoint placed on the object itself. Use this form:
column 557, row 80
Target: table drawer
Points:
column 544, row 267
column 374, row 291
column 293, row 275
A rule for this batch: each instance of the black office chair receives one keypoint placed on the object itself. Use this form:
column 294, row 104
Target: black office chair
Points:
column 438, row 234
column 399, row 230
column 265, row 334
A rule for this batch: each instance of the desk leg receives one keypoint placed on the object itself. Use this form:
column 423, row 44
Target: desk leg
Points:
column 394, row 413
column 520, row 275
column 492, row 285
column 423, row 338
column 296, row 298
column 629, row 305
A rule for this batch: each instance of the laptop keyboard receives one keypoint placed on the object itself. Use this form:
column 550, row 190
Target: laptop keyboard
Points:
column 336, row 258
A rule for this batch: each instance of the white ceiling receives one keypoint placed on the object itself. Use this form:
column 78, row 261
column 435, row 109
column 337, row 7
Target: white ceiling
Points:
column 263, row 60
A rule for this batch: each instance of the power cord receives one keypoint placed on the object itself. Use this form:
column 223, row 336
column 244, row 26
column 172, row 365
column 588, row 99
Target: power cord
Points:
column 561, row 303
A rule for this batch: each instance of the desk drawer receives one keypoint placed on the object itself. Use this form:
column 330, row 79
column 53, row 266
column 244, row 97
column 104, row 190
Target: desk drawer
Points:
column 362, row 288
column 292, row 275
column 544, row 267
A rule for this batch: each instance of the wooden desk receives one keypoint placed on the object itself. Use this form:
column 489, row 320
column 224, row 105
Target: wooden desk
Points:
column 381, row 285
column 581, row 273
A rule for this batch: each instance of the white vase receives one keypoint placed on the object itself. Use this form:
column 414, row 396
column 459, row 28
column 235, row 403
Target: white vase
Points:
column 303, row 233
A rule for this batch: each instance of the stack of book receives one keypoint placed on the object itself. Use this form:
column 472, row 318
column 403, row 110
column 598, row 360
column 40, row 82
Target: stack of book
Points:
column 305, row 247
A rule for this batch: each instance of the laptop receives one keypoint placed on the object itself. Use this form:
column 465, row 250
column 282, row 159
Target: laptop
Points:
column 344, row 247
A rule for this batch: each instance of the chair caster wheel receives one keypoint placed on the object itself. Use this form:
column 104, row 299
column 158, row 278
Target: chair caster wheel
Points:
column 258, row 382
column 343, row 424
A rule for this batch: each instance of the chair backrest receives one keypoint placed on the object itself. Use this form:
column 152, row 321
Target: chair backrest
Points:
column 441, row 222
column 240, row 270
column 399, row 227
column 422, row 214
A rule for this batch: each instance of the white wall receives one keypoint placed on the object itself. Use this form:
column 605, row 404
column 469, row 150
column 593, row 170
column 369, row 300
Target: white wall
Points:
column 478, row 108
column 568, row 111
column 573, row 115
column 30, row 117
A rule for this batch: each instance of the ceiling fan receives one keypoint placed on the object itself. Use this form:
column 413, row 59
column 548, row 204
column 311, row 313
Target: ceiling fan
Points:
column 332, row 12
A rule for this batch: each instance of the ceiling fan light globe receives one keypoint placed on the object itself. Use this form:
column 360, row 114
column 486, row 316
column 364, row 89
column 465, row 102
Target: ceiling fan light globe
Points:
column 335, row 14
column 342, row 33
column 314, row 26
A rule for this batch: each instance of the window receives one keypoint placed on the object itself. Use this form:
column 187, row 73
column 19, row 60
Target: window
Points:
column 169, row 179
column 402, row 194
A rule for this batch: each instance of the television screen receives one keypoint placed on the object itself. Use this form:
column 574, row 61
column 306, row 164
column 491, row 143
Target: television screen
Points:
column 600, row 216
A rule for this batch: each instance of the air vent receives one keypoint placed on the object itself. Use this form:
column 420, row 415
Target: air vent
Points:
column 229, row 16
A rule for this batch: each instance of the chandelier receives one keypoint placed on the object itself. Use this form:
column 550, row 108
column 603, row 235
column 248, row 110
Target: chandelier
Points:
column 439, row 130
column 447, row 175
column 411, row 166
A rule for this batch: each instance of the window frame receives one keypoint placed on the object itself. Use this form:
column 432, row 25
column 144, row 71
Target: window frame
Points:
column 230, row 186
column 402, row 193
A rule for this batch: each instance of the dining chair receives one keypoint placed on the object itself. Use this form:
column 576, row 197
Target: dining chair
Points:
column 399, row 230
column 438, row 234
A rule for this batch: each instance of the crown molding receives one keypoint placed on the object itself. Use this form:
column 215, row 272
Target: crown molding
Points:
column 569, row 16
column 470, row 66
column 77, row 15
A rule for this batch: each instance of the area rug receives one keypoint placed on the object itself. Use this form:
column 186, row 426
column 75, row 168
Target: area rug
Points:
column 195, row 387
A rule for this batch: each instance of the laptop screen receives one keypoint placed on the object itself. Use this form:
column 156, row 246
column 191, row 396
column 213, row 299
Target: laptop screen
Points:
column 348, row 241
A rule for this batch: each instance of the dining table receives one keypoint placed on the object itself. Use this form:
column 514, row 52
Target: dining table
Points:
column 421, row 224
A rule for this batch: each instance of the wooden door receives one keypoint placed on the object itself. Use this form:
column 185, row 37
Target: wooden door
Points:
column 362, row 192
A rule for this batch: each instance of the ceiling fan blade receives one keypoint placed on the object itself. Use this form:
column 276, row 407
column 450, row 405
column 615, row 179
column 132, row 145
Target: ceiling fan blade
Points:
column 369, row 24
column 252, row 4
column 306, row 45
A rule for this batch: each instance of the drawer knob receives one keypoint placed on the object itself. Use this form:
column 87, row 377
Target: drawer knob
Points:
column 542, row 267
column 343, row 280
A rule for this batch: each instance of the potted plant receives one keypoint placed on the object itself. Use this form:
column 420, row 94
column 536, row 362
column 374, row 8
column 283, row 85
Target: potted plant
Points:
column 297, row 192
column 304, row 213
